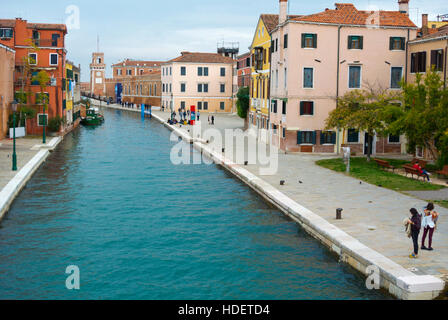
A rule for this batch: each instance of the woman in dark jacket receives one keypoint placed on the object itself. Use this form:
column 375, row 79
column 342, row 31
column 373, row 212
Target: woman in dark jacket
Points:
column 416, row 223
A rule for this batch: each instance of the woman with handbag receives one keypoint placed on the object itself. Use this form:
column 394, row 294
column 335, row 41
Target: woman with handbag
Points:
column 429, row 225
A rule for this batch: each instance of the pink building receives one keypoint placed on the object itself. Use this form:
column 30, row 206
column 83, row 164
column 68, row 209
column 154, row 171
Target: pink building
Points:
column 322, row 56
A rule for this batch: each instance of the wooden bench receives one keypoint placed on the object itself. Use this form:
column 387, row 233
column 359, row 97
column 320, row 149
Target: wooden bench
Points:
column 443, row 172
column 422, row 163
column 412, row 171
column 384, row 164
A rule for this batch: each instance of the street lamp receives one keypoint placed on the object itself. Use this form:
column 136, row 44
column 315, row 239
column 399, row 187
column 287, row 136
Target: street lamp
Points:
column 14, row 155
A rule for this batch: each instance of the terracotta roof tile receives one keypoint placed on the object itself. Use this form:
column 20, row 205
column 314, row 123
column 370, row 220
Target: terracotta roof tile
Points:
column 11, row 23
column 346, row 13
column 202, row 57
column 139, row 63
column 271, row 20
column 441, row 32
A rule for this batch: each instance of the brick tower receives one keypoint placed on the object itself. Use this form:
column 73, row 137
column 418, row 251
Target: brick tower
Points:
column 98, row 74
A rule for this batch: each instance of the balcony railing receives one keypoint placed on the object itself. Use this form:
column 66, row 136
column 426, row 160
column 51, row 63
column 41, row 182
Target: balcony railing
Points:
column 45, row 42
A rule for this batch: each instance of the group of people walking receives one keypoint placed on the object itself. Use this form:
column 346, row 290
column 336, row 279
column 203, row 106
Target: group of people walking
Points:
column 417, row 221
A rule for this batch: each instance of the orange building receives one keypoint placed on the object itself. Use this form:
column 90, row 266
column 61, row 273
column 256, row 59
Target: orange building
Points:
column 7, row 64
column 145, row 89
column 41, row 47
column 132, row 68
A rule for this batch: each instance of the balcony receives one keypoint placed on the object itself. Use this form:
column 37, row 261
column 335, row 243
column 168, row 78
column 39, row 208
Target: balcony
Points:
column 45, row 42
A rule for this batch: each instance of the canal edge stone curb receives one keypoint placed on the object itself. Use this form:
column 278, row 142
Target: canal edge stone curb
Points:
column 19, row 181
column 398, row 281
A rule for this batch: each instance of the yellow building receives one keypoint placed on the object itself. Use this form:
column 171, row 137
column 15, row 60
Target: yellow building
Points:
column 260, row 73
column 69, row 92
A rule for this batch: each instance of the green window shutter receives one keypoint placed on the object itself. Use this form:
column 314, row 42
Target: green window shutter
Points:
column 303, row 40
column 349, row 42
column 361, row 42
column 302, row 107
column 314, row 40
column 314, row 137
column 333, row 137
column 403, row 43
column 391, row 43
column 312, row 108
column 64, row 104
column 299, row 137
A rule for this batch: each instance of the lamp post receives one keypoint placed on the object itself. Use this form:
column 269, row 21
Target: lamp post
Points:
column 14, row 155
column 44, row 137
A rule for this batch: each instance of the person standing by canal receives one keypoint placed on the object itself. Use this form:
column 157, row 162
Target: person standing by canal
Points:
column 199, row 114
column 213, row 120
column 429, row 225
column 415, row 222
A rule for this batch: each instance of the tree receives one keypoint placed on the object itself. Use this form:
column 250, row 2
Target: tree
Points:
column 364, row 110
column 423, row 115
column 242, row 103
column 42, row 78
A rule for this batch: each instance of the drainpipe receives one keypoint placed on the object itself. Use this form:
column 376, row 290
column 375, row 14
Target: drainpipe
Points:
column 337, row 84
column 407, row 62
column 446, row 64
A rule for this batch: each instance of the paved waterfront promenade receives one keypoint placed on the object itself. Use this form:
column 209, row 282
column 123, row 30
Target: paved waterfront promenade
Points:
column 371, row 214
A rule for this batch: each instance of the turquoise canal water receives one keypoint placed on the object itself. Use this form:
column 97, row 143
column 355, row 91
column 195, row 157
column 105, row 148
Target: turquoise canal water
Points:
column 109, row 201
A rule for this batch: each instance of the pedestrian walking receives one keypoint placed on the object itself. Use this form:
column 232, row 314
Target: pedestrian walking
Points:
column 199, row 114
column 208, row 119
column 415, row 222
column 213, row 120
column 429, row 222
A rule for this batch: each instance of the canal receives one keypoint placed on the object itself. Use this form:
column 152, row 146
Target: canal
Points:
column 109, row 201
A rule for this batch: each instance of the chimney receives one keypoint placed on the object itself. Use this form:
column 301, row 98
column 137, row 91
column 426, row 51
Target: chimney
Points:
column 283, row 11
column 403, row 6
column 425, row 27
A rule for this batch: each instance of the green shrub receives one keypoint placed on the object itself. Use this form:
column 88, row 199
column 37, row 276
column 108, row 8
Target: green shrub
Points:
column 54, row 124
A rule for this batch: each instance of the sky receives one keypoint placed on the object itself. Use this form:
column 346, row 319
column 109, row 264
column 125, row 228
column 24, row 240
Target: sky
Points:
column 160, row 30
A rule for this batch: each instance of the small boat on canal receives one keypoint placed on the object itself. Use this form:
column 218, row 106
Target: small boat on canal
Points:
column 93, row 117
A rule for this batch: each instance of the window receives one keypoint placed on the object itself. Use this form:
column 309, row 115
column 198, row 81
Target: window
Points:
column 306, row 137
column 355, row 42
column 274, row 106
column 276, row 45
column 53, row 59
column 199, row 105
column 206, row 71
column 306, row 108
column 285, row 41
column 54, row 39
column 183, row 71
column 171, row 69
column 327, row 137
column 437, row 59
column 33, row 58
column 182, row 87
column 354, row 77
column 309, row 40
column 258, row 58
column 182, row 104
column 222, row 105
column 200, row 71
column 394, row 139
column 170, row 88
column 418, row 62
column 353, row 136
column 223, row 72
column 42, row 120
column 284, row 133
column 205, row 105
column 286, row 78
column 283, row 107
column 397, row 43
column 223, row 88
column 163, row 87
column 308, row 78
column 6, row 33
column 396, row 74
column 129, row 72
column 202, row 87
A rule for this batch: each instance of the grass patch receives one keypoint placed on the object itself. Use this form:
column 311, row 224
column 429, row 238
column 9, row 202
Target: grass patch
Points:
column 371, row 173
column 442, row 203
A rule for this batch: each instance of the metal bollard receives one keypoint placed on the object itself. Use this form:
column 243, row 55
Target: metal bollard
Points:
column 339, row 214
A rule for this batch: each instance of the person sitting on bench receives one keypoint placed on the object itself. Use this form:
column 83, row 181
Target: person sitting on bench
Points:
column 422, row 171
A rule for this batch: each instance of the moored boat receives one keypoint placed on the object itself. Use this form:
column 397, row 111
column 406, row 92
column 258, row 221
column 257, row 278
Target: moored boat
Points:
column 92, row 118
